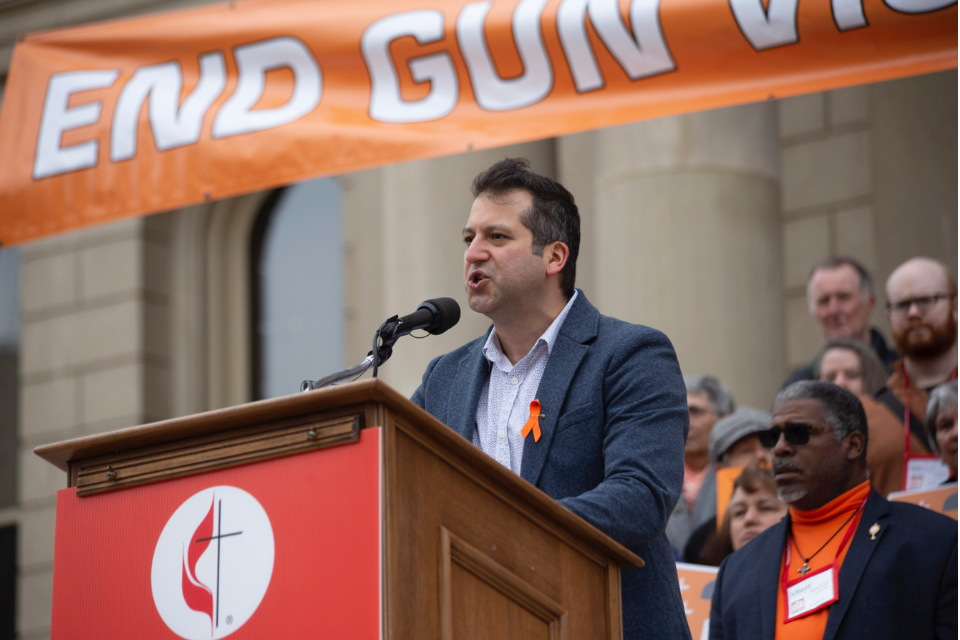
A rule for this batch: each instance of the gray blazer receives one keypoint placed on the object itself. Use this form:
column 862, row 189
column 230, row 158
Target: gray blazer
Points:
column 611, row 448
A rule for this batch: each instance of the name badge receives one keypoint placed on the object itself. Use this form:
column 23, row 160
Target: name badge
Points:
column 812, row 593
column 925, row 472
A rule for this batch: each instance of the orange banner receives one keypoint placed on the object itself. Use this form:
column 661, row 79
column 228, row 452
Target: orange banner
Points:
column 725, row 479
column 942, row 499
column 696, row 589
column 130, row 117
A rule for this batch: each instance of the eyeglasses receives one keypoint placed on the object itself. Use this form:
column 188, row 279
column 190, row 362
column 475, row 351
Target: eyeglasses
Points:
column 795, row 434
column 923, row 304
column 698, row 411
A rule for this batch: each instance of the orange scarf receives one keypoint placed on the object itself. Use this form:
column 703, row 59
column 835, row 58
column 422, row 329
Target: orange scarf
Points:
column 810, row 530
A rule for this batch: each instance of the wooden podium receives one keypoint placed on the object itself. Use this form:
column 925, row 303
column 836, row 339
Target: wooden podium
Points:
column 467, row 549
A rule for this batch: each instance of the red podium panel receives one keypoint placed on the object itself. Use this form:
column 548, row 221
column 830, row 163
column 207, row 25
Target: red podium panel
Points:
column 285, row 548
column 346, row 512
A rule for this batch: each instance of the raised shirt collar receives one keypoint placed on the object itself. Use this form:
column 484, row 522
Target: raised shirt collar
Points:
column 493, row 351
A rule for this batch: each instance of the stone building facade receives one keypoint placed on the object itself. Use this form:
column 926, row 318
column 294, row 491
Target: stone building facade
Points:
column 703, row 225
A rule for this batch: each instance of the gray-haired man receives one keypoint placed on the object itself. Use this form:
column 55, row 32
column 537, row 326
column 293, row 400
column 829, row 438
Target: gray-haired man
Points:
column 844, row 563
column 841, row 299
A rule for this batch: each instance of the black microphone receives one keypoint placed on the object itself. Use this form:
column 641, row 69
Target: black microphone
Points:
column 433, row 316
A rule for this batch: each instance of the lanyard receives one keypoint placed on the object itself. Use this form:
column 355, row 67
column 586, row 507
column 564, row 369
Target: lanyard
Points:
column 784, row 579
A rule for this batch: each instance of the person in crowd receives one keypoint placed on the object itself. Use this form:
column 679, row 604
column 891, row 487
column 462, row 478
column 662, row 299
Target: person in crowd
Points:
column 733, row 444
column 855, row 367
column 942, row 425
column 850, row 364
column 922, row 310
column 845, row 562
column 840, row 297
column 708, row 400
column 754, row 507
column 587, row 408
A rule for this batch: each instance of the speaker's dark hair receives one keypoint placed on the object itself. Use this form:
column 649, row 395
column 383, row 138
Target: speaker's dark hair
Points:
column 553, row 216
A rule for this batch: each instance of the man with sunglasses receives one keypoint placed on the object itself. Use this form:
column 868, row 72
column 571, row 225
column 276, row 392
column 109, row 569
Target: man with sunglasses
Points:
column 922, row 310
column 845, row 562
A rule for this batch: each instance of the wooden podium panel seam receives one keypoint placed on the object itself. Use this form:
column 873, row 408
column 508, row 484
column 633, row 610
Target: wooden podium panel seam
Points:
column 454, row 549
column 614, row 602
column 150, row 465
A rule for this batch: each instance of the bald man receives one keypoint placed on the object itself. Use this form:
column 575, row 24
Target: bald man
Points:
column 922, row 310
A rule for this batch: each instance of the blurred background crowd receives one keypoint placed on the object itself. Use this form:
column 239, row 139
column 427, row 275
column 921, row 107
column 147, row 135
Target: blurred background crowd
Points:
column 915, row 379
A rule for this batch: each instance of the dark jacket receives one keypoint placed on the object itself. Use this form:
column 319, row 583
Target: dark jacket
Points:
column 701, row 544
column 903, row 584
column 611, row 448
column 887, row 356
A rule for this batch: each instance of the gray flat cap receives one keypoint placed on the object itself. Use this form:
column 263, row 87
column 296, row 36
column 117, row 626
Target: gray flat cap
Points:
column 727, row 431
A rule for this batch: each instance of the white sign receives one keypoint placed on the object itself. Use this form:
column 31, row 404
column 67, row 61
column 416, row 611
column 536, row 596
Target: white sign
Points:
column 926, row 473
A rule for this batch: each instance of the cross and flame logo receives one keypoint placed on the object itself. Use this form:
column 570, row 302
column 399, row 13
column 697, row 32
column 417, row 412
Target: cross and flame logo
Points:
column 203, row 587
column 197, row 595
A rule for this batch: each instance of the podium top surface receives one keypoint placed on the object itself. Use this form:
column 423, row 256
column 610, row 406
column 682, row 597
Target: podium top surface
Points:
column 71, row 455
column 60, row 454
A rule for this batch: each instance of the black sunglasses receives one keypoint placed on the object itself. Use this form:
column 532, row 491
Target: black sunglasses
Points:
column 794, row 433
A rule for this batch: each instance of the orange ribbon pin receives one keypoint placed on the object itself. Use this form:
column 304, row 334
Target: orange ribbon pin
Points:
column 533, row 423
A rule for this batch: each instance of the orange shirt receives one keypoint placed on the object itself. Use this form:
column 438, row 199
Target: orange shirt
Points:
column 810, row 530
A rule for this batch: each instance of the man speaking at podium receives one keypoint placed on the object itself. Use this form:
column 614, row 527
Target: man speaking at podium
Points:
column 589, row 409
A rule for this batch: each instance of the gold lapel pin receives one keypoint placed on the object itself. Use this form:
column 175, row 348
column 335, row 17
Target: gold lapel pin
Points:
column 874, row 530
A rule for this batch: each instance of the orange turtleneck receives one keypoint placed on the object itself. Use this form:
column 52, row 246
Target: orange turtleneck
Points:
column 810, row 530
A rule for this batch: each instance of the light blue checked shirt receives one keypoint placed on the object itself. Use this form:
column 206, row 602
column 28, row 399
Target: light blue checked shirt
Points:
column 504, row 405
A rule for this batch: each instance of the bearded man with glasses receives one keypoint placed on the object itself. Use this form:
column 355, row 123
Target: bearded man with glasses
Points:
column 844, row 562
column 922, row 310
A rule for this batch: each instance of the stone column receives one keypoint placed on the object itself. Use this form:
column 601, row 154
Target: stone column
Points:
column 867, row 172
column 94, row 358
column 681, row 233
column 915, row 165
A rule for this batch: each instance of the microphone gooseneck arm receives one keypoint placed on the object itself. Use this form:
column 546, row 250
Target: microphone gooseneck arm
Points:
column 434, row 316
column 383, row 349
column 383, row 341
column 352, row 374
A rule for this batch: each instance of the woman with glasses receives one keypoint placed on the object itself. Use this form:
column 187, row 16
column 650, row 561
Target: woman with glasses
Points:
column 753, row 508
column 855, row 367
column 942, row 425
